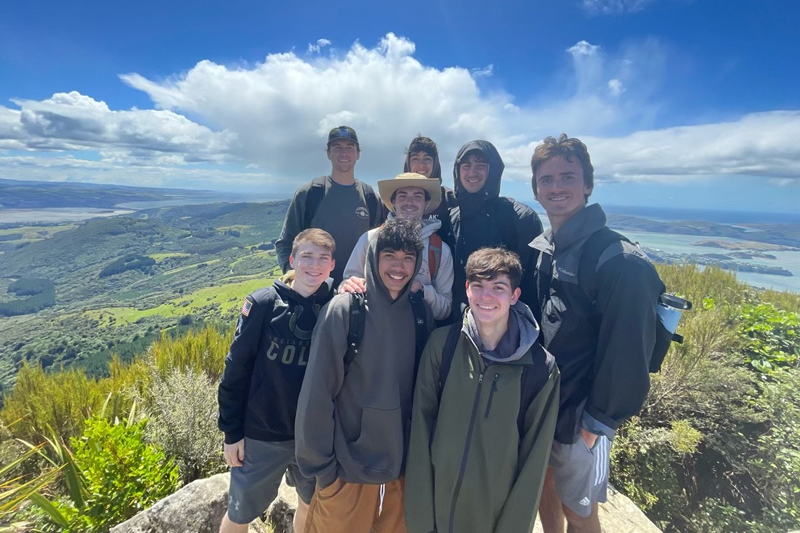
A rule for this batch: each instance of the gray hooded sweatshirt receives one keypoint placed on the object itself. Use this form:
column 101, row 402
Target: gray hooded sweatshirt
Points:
column 355, row 425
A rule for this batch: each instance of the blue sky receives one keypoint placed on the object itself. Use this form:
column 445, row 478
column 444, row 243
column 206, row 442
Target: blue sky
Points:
column 679, row 101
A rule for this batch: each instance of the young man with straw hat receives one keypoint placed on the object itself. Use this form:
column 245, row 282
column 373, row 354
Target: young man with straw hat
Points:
column 412, row 196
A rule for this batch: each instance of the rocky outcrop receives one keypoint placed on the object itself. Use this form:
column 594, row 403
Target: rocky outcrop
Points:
column 198, row 508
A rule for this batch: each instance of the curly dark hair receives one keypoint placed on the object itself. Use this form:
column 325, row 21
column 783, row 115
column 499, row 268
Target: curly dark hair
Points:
column 400, row 234
column 569, row 149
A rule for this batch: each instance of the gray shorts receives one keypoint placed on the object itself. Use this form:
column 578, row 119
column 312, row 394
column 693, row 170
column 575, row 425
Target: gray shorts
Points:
column 255, row 484
column 581, row 474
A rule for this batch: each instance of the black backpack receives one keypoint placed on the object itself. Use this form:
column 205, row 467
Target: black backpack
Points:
column 532, row 382
column 595, row 245
column 355, row 331
column 317, row 192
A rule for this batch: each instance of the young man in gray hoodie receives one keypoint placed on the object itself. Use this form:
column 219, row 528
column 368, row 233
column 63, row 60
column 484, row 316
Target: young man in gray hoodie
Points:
column 353, row 420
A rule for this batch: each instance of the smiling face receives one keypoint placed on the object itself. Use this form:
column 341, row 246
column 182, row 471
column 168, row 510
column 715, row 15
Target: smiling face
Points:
column 561, row 189
column 490, row 300
column 473, row 172
column 396, row 268
column 421, row 163
column 409, row 203
column 312, row 265
column 343, row 154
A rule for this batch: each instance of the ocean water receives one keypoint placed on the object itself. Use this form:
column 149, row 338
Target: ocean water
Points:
column 56, row 214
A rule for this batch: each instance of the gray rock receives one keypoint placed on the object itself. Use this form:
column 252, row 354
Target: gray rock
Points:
column 196, row 508
column 199, row 506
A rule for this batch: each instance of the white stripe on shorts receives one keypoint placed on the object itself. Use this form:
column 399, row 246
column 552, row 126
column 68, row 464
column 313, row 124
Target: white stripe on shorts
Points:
column 600, row 467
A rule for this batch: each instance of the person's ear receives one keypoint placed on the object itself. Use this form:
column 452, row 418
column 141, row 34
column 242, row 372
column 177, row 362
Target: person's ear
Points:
column 515, row 295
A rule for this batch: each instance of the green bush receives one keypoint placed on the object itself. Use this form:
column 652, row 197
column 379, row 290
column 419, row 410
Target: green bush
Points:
column 118, row 474
column 181, row 407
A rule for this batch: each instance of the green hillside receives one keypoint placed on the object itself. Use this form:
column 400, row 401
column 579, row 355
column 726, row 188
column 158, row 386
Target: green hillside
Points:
column 120, row 281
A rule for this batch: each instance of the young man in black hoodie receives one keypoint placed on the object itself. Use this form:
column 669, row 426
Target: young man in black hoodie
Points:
column 263, row 373
column 482, row 217
column 353, row 420
column 601, row 336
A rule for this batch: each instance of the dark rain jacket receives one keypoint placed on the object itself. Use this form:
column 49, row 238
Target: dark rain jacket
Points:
column 266, row 363
column 355, row 424
column 603, row 363
column 472, row 467
column 486, row 219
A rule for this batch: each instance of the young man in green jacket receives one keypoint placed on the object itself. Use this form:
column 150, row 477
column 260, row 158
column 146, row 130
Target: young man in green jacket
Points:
column 482, row 424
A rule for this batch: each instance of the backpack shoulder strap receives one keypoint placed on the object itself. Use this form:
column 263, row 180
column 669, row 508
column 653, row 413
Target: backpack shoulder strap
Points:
column 593, row 248
column 453, row 334
column 434, row 253
column 374, row 206
column 313, row 198
column 532, row 381
column 355, row 330
column 420, row 312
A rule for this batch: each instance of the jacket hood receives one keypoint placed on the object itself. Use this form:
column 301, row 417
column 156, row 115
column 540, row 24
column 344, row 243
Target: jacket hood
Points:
column 429, row 226
column 436, row 172
column 492, row 187
column 376, row 290
column 521, row 335
column 582, row 224
column 283, row 287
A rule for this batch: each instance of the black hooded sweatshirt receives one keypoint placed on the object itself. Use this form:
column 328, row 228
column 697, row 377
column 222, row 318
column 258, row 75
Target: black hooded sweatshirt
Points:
column 486, row 219
column 267, row 361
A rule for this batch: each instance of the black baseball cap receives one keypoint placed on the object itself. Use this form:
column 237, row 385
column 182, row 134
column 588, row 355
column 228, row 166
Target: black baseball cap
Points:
column 343, row 132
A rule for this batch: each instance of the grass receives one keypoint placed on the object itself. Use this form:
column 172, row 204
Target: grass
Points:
column 30, row 233
column 160, row 257
column 226, row 297
column 187, row 267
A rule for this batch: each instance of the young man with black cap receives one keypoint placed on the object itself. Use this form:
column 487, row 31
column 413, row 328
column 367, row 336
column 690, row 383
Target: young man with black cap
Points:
column 338, row 203
column 482, row 217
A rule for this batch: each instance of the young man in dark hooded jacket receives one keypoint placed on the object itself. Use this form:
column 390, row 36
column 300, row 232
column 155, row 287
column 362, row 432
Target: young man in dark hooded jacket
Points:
column 482, row 217
column 353, row 421
column 602, row 343
column 422, row 157
column 261, row 381
column 481, row 469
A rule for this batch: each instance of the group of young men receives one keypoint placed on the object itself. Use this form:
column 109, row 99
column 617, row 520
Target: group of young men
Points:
column 337, row 378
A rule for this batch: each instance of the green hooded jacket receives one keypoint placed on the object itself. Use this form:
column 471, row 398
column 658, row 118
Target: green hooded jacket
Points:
column 471, row 467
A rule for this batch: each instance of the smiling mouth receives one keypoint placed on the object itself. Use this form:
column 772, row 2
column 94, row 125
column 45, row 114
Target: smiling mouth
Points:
column 487, row 307
column 558, row 198
column 397, row 277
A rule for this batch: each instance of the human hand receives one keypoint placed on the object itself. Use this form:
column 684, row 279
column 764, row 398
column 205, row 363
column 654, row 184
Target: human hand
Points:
column 416, row 286
column 234, row 453
column 353, row 285
column 588, row 437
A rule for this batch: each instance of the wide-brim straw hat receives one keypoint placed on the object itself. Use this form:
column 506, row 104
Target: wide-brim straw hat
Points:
column 386, row 188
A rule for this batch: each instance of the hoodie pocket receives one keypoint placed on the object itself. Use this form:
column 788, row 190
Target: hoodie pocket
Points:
column 380, row 444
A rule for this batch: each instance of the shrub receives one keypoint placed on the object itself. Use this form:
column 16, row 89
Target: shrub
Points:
column 117, row 475
column 181, row 407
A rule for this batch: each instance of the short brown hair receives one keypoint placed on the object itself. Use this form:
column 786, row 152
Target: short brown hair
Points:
column 314, row 236
column 568, row 148
column 488, row 263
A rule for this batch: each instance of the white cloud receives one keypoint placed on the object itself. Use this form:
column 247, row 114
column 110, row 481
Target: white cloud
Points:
column 315, row 48
column 266, row 124
column 613, row 7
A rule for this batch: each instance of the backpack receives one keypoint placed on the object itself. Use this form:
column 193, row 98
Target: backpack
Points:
column 595, row 245
column 355, row 331
column 317, row 192
column 434, row 253
column 530, row 385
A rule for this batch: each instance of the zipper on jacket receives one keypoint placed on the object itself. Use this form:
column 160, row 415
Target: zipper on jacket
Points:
column 463, row 468
column 491, row 395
